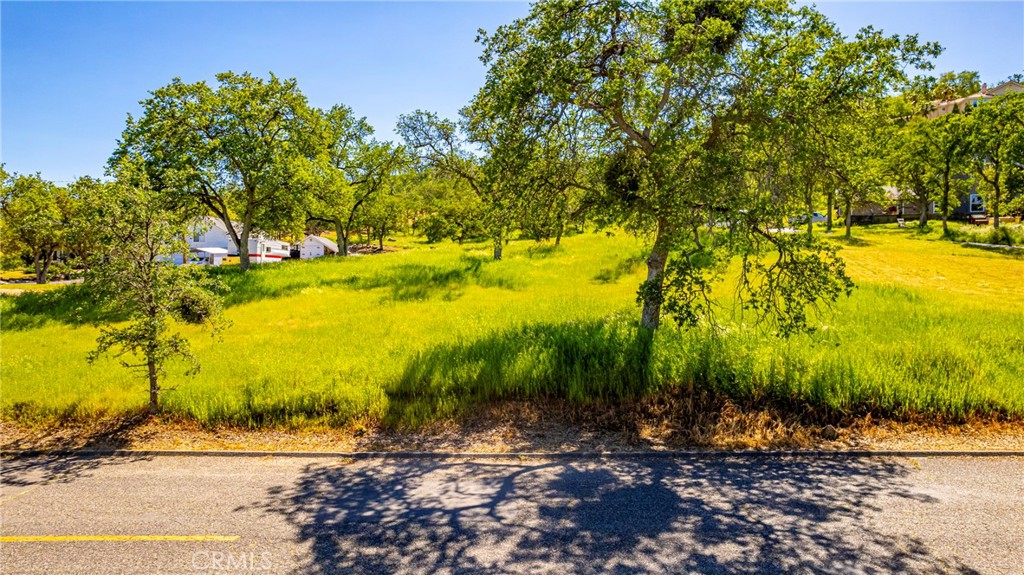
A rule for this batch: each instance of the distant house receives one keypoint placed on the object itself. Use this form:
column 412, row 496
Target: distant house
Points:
column 315, row 247
column 897, row 203
column 943, row 107
column 963, row 206
column 903, row 205
column 211, row 232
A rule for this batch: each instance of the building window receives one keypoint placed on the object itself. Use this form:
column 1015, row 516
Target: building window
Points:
column 977, row 204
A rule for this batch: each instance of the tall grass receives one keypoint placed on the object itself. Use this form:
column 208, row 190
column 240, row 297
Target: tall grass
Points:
column 1005, row 234
column 934, row 329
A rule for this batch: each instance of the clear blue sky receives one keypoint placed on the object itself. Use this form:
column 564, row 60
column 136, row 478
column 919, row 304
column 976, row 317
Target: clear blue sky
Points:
column 72, row 71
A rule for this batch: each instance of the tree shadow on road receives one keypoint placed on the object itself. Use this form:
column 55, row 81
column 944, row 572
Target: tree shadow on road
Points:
column 49, row 456
column 696, row 515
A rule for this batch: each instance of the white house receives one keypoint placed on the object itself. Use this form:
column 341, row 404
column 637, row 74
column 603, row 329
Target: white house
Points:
column 211, row 232
column 316, row 246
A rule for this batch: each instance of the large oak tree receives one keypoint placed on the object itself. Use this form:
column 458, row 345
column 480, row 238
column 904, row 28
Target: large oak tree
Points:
column 227, row 151
column 709, row 112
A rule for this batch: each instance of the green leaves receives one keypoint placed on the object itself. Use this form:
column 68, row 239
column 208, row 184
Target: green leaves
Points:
column 134, row 275
column 715, row 119
column 235, row 152
column 996, row 151
column 35, row 217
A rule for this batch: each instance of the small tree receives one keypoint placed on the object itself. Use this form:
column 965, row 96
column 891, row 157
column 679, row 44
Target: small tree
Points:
column 386, row 213
column 135, row 278
column 947, row 140
column 446, row 208
column 88, row 199
column 915, row 165
column 444, row 146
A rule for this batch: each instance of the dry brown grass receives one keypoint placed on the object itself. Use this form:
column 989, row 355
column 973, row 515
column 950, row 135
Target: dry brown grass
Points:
column 658, row 423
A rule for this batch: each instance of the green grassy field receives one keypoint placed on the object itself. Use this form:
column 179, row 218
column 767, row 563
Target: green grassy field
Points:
column 933, row 329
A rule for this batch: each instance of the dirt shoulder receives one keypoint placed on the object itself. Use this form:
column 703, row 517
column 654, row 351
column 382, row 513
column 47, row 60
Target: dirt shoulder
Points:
column 521, row 427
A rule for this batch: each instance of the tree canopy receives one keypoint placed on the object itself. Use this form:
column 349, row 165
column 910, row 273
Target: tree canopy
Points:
column 709, row 113
column 230, row 151
column 135, row 278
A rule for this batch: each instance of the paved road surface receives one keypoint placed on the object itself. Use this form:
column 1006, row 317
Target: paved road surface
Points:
column 690, row 516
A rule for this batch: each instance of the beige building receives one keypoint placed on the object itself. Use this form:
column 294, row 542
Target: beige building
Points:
column 943, row 107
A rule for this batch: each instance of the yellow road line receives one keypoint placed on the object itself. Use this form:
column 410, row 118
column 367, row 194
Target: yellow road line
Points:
column 30, row 538
column 18, row 494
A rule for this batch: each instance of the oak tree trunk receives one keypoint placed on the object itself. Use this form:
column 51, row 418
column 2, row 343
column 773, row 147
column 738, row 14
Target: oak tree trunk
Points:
column 995, row 207
column 497, row 249
column 849, row 217
column 46, row 267
column 154, row 388
column 38, row 264
column 42, row 263
column 339, row 231
column 650, row 314
column 830, row 211
column 243, row 252
column 945, row 208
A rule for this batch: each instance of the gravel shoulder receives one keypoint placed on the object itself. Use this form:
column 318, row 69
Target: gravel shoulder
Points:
column 521, row 429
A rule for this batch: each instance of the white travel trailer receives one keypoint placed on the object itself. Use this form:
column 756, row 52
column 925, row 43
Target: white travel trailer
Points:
column 264, row 250
column 315, row 247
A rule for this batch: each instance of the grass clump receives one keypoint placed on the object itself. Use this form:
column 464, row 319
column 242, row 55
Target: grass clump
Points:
column 579, row 361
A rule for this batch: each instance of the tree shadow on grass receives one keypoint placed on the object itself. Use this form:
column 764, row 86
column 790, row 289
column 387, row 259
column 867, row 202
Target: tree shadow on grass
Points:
column 624, row 267
column 852, row 241
column 1007, row 252
column 689, row 515
column 592, row 360
column 71, row 305
column 542, row 250
column 404, row 282
column 418, row 282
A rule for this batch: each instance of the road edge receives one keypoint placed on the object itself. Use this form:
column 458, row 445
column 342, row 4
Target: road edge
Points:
column 437, row 455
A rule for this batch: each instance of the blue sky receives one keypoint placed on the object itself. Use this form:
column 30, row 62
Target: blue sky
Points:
column 70, row 72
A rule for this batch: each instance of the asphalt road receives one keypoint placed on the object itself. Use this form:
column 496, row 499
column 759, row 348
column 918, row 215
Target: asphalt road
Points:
column 689, row 515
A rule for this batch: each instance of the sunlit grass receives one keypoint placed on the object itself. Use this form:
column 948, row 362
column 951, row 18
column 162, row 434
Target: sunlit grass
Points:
column 419, row 334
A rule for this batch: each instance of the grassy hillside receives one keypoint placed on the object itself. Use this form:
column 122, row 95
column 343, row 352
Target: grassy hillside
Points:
column 933, row 328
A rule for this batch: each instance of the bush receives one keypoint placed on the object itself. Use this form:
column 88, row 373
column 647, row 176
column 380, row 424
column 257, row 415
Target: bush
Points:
column 1005, row 235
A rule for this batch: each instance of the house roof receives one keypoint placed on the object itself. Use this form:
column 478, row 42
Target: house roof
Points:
column 1008, row 86
column 210, row 222
column 940, row 107
column 214, row 251
column 331, row 246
